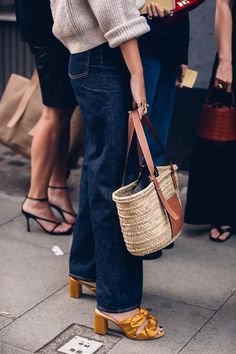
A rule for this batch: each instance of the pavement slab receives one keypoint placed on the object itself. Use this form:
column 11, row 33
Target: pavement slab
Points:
column 47, row 320
column 29, row 270
column 16, row 230
column 219, row 334
column 196, row 271
column 38, row 326
column 9, row 349
column 4, row 321
column 9, row 208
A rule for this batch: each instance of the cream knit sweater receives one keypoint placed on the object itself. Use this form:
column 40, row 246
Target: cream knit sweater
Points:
column 84, row 24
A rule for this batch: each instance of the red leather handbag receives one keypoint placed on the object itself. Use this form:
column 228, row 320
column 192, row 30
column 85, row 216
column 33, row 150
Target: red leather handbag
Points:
column 217, row 121
column 181, row 8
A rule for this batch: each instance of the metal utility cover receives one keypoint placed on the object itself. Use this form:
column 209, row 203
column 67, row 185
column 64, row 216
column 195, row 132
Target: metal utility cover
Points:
column 78, row 339
column 80, row 345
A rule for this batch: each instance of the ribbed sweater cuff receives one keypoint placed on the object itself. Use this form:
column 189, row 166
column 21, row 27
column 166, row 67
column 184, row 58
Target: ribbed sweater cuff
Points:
column 127, row 31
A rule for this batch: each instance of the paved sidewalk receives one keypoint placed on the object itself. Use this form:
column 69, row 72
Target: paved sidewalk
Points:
column 192, row 288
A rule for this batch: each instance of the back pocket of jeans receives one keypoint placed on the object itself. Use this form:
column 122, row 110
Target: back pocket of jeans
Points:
column 79, row 65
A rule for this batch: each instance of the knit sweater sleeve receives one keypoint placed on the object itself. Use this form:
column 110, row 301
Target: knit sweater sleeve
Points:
column 119, row 20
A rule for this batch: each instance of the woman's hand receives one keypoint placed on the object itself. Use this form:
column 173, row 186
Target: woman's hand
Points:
column 224, row 76
column 154, row 10
column 182, row 72
column 138, row 92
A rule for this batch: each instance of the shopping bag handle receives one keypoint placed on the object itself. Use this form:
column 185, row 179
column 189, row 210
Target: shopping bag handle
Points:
column 33, row 84
column 135, row 124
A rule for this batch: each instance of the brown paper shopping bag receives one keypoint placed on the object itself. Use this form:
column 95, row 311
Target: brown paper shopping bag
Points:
column 20, row 109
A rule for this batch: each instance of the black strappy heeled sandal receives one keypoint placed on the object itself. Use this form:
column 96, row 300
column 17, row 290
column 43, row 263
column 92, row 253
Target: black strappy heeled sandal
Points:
column 221, row 230
column 36, row 218
column 60, row 210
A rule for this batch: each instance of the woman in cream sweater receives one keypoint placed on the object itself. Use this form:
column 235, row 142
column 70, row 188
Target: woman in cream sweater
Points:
column 107, row 77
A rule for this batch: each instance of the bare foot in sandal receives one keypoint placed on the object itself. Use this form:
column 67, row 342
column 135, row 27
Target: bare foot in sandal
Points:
column 220, row 233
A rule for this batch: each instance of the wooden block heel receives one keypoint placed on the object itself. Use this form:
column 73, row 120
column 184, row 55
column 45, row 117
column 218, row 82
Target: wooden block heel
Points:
column 75, row 288
column 100, row 324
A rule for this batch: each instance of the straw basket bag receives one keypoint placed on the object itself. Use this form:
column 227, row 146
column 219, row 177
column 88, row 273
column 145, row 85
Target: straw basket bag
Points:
column 152, row 218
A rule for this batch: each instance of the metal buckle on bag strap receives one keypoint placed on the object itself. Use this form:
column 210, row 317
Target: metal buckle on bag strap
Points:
column 156, row 174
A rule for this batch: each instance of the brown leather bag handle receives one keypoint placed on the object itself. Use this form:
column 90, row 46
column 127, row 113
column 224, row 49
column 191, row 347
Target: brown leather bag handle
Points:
column 163, row 150
column 33, row 84
column 149, row 125
column 136, row 125
column 130, row 139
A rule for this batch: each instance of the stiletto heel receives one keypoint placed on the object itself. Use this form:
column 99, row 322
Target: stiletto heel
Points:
column 27, row 220
column 75, row 287
column 37, row 218
column 130, row 326
column 28, row 224
column 100, row 324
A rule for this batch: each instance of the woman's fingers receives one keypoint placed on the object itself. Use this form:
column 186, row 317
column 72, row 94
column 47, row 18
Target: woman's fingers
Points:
column 182, row 72
column 142, row 107
column 157, row 12
column 224, row 76
column 223, row 85
column 149, row 11
column 167, row 12
column 219, row 83
column 229, row 87
column 154, row 10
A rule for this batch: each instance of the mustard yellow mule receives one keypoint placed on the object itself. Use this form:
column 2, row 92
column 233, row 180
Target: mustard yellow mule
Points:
column 130, row 326
column 75, row 287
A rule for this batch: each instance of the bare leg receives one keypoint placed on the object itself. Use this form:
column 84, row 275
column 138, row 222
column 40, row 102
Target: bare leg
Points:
column 43, row 154
column 60, row 197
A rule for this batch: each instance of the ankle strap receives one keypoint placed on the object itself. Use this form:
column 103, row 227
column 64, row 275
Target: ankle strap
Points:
column 38, row 199
column 58, row 187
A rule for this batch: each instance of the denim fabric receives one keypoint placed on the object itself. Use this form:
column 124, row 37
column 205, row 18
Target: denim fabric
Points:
column 101, row 84
column 169, row 43
column 160, row 81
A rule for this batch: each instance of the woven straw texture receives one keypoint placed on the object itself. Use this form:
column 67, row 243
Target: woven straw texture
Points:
column 144, row 222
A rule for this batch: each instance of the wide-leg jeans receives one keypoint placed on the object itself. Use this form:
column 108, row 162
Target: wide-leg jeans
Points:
column 100, row 81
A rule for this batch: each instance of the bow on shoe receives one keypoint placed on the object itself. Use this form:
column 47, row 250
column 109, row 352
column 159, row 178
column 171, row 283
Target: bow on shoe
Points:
column 140, row 318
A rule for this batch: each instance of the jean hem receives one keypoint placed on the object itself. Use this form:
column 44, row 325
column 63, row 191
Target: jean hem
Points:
column 81, row 278
column 115, row 310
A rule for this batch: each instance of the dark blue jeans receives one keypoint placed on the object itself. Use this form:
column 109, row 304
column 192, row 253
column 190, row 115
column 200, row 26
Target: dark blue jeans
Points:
column 160, row 81
column 101, row 84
